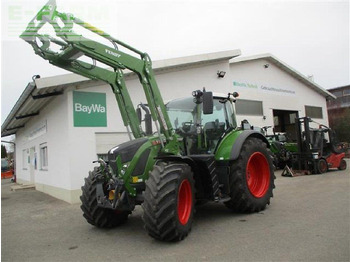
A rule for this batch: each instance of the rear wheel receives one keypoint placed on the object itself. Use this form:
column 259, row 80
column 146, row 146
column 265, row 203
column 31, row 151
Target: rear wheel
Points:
column 169, row 201
column 252, row 178
column 342, row 165
column 322, row 166
column 95, row 215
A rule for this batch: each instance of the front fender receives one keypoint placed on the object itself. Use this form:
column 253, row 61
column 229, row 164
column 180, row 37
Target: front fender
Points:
column 231, row 145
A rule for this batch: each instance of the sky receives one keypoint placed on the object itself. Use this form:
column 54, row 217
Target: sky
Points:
column 310, row 36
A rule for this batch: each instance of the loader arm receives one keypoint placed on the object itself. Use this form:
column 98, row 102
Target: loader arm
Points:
column 74, row 46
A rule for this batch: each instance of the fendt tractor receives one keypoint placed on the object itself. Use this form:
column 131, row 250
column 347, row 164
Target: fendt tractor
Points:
column 197, row 153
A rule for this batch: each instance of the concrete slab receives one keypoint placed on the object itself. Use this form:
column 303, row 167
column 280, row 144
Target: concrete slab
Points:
column 18, row 187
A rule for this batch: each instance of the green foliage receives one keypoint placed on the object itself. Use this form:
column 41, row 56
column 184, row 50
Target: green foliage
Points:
column 341, row 126
column 3, row 151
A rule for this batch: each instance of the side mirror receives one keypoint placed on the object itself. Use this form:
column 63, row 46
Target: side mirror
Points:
column 208, row 103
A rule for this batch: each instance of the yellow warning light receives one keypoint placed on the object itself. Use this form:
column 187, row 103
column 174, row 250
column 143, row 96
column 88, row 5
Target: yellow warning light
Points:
column 111, row 195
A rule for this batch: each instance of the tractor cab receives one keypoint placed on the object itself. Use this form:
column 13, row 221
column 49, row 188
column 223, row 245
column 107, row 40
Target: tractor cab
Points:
column 201, row 131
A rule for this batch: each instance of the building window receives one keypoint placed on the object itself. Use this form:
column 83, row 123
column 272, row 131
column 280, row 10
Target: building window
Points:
column 313, row 111
column 338, row 93
column 249, row 107
column 346, row 92
column 25, row 158
column 43, row 157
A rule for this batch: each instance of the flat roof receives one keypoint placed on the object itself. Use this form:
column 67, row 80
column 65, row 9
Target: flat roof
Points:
column 39, row 93
column 288, row 69
column 338, row 88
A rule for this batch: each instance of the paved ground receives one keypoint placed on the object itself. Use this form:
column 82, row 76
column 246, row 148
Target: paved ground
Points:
column 308, row 220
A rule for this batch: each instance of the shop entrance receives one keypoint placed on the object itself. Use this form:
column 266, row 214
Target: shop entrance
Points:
column 284, row 121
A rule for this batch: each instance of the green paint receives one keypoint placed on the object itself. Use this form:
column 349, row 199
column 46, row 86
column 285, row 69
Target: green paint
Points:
column 291, row 147
column 241, row 84
column 89, row 109
column 225, row 147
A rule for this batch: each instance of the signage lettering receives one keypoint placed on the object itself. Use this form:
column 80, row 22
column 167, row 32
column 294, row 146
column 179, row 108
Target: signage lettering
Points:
column 89, row 109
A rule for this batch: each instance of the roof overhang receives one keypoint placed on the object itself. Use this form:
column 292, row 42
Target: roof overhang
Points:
column 29, row 104
column 283, row 66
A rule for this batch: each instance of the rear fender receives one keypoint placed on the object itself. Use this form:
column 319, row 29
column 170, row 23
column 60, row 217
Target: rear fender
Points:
column 230, row 147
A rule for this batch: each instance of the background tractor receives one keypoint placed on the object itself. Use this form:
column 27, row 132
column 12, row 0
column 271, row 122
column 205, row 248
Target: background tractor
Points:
column 280, row 146
column 198, row 153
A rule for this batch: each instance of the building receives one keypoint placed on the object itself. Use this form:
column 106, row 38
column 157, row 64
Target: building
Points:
column 339, row 114
column 63, row 123
column 337, row 108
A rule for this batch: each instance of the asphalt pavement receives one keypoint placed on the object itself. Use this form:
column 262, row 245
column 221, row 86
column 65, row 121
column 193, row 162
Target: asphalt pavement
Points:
column 308, row 220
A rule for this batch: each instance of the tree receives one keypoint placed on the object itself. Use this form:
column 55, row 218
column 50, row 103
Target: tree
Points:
column 3, row 151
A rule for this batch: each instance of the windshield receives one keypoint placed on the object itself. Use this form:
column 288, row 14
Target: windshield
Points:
column 201, row 132
column 182, row 111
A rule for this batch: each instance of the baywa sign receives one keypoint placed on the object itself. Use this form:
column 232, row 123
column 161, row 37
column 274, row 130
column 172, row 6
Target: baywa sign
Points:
column 89, row 109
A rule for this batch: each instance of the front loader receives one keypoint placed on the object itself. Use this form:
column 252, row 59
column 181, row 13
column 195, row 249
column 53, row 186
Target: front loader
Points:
column 197, row 154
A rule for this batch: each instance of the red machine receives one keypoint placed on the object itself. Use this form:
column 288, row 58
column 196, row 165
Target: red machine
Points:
column 316, row 154
column 6, row 169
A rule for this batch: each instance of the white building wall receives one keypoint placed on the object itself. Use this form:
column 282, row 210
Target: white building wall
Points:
column 57, row 175
column 254, row 73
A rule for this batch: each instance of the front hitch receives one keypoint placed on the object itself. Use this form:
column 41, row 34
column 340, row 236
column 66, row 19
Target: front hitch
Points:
column 117, row 197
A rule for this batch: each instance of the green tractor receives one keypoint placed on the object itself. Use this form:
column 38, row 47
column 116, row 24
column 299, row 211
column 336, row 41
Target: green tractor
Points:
column 197, row 154
column 280, row 146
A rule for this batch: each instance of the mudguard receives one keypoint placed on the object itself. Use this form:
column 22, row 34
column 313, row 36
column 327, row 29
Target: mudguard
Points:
column 231, row 145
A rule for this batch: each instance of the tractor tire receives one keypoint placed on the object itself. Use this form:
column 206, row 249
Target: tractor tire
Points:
column 95, row 215
column 169, row 201
column 322, row 166
column 342, row 165
column 251, row 178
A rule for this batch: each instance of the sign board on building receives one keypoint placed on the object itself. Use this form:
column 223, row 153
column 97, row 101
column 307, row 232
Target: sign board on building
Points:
column 263, row 88
column 89, row 109
column 39, row 130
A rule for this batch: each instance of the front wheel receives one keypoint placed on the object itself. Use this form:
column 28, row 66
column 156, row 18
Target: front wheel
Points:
column 322, row 166
column 251, row 178
column 169, row 201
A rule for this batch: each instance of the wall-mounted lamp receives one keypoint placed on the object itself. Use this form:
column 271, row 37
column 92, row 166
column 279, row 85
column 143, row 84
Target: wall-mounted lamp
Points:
column 35, row 77
column 266, row 66
column 221, row 74
column 264, row 117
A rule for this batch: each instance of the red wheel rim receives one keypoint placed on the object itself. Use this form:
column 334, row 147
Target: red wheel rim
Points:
column 184, row 202
column 258, row 174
